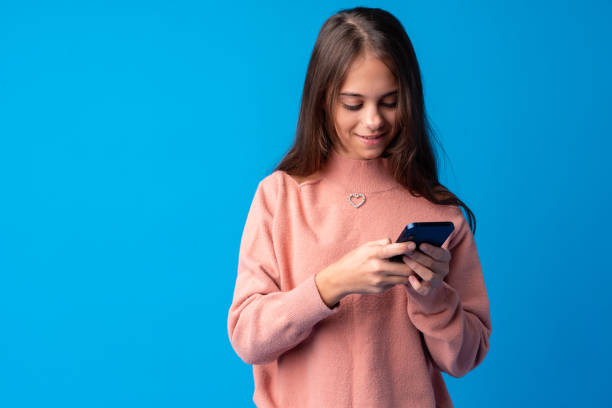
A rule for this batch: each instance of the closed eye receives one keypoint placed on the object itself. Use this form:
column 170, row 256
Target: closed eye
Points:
column 356, row 107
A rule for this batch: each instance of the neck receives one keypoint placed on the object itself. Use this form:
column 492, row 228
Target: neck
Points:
column 358, row 175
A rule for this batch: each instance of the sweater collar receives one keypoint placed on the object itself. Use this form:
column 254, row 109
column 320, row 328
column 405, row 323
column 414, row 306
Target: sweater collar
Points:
column 358, row 175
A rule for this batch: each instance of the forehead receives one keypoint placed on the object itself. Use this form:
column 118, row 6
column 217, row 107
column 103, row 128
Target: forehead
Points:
column 368, row 76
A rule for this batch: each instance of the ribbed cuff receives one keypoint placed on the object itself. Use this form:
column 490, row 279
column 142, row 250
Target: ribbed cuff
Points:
column 307, row 302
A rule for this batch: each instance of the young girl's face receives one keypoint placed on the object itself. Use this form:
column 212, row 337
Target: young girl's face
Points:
column 366, row 107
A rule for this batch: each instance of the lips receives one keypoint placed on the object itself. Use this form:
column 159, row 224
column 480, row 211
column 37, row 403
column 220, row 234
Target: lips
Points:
column 372, row 136
column 372, row 140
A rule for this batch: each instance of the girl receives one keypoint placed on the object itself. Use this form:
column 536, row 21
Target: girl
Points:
column 322, row 314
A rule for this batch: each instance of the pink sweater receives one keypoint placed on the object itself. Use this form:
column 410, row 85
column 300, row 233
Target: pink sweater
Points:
column 371, row 350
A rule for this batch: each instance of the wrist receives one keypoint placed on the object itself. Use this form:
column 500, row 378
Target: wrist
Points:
column 328, row 288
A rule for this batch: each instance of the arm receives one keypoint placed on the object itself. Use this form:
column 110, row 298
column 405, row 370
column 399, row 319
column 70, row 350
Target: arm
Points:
column 454, row 317
column 263, row 321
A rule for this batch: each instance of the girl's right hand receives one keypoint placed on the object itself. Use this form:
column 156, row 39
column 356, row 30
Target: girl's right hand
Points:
column 365, row 269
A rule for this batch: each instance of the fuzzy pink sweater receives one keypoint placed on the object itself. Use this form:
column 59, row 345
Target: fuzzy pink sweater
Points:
column 371, row 350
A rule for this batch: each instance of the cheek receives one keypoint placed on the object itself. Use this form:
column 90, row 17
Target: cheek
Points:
column 391, row 117
column 345, row 122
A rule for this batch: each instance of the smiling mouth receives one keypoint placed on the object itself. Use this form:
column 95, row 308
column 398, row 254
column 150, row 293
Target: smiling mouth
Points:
column 372, row 137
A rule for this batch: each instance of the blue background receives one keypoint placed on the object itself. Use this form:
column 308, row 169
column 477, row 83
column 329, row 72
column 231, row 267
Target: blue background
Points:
column 133, row 136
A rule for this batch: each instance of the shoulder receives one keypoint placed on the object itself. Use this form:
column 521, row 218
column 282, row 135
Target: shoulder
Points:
column 269, row 187
column 278, row 183
column 280, row 188
column 277, row 192
column 430, row 211
column 462, row 228
column 293, row 181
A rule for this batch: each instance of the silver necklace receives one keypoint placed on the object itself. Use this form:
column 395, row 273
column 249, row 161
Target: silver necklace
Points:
column 356, row 195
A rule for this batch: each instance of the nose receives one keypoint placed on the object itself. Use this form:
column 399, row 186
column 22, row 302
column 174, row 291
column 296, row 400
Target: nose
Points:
column 373, row 119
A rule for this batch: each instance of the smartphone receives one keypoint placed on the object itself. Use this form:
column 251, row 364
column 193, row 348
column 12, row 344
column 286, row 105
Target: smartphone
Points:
column 434, row 233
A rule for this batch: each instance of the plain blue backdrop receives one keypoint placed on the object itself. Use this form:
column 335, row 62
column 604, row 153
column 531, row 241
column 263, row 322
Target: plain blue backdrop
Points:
column 133, row 136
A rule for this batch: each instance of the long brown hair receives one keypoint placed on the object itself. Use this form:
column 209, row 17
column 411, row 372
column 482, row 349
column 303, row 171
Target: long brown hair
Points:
column 342, row 38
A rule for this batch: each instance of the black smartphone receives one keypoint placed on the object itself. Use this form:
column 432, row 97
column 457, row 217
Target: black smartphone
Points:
column 434, row 233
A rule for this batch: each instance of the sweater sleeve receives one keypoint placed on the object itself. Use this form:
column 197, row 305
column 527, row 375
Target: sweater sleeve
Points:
column 454, row 317
column 263, row 321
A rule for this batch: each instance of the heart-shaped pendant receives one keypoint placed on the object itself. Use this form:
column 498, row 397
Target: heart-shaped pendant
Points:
column 356, row 195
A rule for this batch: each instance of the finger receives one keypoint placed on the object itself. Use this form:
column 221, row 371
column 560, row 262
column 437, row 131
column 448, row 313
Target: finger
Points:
column 423, row 287
column 425, row 260
column 396, row 248
column 440, row 269
column 393, row 280
column 389, row 268
column 438, row 253
column 382, row 241
column 419, row 269
column 418, row 286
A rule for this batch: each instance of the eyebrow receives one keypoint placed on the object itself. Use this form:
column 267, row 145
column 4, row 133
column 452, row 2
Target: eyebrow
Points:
column 361, row 96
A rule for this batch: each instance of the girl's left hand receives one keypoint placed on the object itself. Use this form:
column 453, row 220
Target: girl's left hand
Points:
column 432, row 265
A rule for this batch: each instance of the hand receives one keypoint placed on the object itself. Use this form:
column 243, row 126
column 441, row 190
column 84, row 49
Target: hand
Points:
column 365, row 269
column 431, row 263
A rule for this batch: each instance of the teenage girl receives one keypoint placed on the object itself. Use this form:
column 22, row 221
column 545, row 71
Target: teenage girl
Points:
column 319, row 310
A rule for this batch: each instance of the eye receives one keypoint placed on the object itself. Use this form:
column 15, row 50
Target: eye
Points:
column 356, row 107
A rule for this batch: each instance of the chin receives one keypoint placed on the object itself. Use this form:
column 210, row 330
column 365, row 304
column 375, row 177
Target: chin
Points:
column 371, row 154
